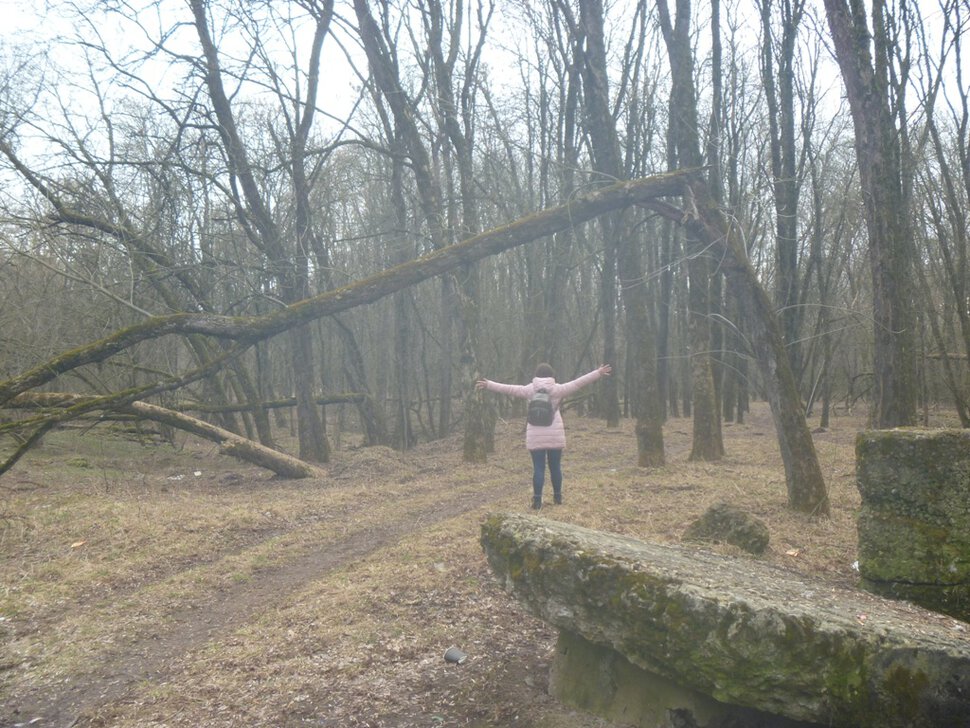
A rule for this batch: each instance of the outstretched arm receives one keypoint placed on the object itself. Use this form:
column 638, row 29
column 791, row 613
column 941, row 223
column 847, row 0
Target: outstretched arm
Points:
column 512, row 390
column 564, row 390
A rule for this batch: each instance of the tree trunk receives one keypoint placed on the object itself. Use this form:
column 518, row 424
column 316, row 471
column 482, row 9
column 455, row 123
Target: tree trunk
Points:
column 706, row 444
column 781, row 121
column 622, row 244
column 865, row 76
column 666, row 385
column 803, row 475
column 607, row 303
column 683, row 129
column 230, row 443
column 404, row 436
column 371, row 415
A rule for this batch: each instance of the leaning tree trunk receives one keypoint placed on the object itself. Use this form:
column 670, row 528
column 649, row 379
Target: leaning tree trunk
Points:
column 803, row 475
column 250, row 330
column 247, row 331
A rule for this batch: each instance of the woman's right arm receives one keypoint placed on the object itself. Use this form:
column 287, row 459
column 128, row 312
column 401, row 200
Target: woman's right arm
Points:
column 523, row 391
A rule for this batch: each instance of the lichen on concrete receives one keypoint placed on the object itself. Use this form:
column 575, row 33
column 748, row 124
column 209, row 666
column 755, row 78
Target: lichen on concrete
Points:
column 914, row 523
column 740, row 631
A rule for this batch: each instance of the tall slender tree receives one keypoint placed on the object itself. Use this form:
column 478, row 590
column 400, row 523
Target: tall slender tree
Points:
column 712, row 230
column 289, row 267
column 641, row 345
column 707, row 443
column 863, row 55
column 778, row 75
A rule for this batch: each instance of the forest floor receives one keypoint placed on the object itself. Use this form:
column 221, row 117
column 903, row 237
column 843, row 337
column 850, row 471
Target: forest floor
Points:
column 145, row 584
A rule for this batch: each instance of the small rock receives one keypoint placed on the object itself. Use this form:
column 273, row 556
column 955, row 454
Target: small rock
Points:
column 723, row 523
column 455, row 656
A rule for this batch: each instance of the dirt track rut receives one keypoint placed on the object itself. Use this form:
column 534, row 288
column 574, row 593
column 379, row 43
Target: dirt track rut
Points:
column 154, row 657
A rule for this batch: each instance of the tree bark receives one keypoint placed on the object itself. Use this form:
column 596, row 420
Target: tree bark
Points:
column 684, row 131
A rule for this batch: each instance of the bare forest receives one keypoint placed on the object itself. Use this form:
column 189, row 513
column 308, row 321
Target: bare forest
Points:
column 301, row 230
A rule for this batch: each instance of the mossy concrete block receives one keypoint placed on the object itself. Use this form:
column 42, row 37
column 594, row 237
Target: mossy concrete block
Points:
column 740, row 631
column 600, row 680
column 914, row 523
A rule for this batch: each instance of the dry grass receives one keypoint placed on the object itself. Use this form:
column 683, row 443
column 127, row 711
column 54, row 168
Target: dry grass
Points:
column 135, row 597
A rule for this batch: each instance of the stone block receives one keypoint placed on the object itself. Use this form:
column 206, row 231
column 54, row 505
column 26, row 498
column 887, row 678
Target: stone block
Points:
column 914, row 524
column 601, row 681
column 738, row 630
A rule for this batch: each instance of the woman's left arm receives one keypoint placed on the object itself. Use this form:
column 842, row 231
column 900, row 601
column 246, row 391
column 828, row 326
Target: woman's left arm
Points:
column 564, row 390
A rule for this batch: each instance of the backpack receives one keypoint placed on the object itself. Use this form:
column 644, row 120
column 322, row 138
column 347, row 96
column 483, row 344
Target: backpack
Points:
column 541, row 411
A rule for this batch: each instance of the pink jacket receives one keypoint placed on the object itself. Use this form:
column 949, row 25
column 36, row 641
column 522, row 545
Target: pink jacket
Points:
column 552, row 437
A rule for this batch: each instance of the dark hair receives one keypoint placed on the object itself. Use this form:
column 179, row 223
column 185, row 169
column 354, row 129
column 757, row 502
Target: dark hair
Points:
column 544, row 370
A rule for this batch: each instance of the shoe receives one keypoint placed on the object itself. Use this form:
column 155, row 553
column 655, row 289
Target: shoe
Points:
column 536, row 503
column 557, row 499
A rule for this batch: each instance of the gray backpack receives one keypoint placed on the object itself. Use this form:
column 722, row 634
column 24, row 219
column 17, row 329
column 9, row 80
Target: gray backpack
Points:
column 541, row 411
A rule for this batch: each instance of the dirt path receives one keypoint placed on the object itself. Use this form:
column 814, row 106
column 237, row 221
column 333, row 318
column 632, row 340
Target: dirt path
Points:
column 152, row 658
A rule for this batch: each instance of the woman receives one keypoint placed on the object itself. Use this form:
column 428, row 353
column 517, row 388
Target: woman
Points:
column 546, row 443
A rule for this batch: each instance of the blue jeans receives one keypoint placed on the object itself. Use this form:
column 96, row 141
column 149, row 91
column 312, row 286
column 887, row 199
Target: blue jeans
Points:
column 539, row 458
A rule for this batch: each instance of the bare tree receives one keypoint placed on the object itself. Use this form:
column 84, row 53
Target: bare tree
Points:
column 384, row 66
column 264, row 229
column 864, row 59
column 620, row 237
column 944, row 199
column 456, row 111
column 685, row 144
column 806, row 486
column 778, row 75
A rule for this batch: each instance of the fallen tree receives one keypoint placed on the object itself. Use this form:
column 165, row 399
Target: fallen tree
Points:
column 251, row 329
column 229, row 443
